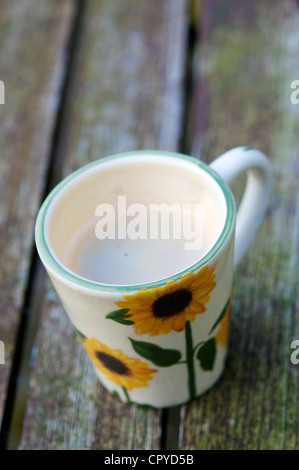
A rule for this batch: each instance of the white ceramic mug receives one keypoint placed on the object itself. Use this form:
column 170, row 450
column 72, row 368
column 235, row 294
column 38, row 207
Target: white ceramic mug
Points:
column 162, row 342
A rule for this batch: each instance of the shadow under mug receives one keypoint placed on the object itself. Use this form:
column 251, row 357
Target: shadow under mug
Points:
column 164, row 342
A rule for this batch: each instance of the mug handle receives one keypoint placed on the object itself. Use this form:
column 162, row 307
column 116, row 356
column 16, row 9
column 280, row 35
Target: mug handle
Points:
column 256, row 195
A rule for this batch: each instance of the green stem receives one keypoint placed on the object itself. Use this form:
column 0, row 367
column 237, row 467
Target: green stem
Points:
column 189, row 358
column 126, row 394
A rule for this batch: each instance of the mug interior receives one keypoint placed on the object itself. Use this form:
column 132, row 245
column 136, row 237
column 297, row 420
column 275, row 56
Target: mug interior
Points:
column 141, row 177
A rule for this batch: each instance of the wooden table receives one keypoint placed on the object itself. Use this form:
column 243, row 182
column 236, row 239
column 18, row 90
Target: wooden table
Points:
column 89, row 78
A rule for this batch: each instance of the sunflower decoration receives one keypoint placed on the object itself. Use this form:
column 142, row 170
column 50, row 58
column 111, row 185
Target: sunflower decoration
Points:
column 169, row 307
column 221, row 336
column 121, row 369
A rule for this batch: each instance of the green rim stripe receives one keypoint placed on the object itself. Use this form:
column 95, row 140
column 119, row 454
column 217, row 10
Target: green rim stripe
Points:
column 59, row 269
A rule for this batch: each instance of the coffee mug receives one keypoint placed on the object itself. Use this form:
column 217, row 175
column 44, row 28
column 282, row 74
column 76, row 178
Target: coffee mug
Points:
column 150, row 307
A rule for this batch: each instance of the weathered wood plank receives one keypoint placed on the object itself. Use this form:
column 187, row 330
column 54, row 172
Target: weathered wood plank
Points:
column 246, row 61
column 127, row 94
column 33, row 38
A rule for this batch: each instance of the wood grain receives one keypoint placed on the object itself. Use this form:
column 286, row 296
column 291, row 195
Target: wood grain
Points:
column 246, row 60
column 127, row 93
column 33, row 38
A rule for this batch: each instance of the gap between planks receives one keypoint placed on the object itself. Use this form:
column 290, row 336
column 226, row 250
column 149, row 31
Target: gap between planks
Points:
column 15, row 405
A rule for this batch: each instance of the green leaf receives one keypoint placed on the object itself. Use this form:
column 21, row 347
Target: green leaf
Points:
column 116, row 394
column 82, row 337
column 120, row 316
column 221, row 316
column 207, row 354
column 159, row 356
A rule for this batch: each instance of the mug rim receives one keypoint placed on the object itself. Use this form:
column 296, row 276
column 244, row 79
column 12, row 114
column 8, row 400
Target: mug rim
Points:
column 81, row 283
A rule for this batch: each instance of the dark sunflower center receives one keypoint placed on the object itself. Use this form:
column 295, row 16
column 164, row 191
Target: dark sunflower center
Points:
column 171, row 304
column 113, row 364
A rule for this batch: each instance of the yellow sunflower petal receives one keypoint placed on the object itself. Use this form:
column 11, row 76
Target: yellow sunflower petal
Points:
column 166, row 308
column 221, row 336
column 179, row 323
column 118, row 367
column 187, row 274
column 196, row 307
